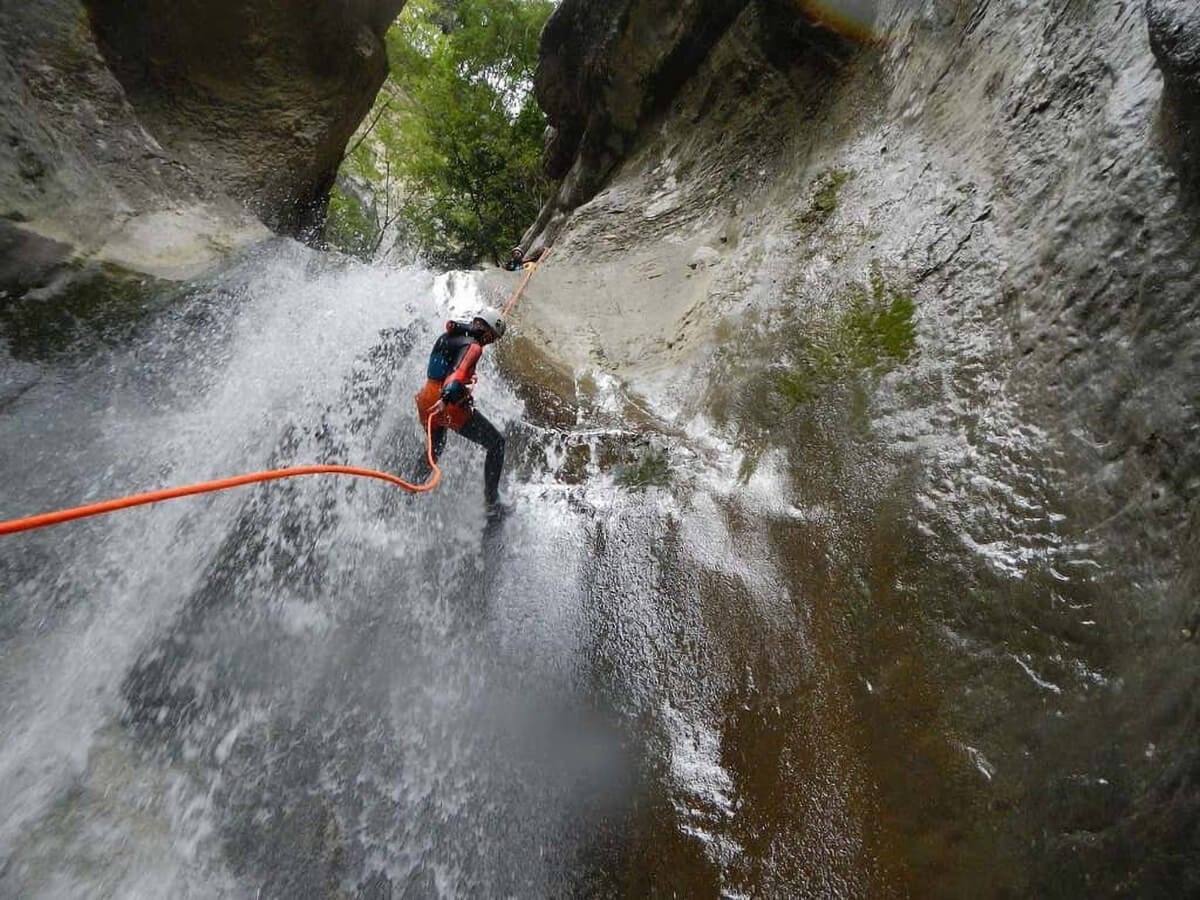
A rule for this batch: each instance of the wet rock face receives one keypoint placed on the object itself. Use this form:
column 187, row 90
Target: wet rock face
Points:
column 961, row 248
column 606, row 69
column 73, row 157
column 152, row 134
column 1175, row 40
column 603, row 66
column 263, row 96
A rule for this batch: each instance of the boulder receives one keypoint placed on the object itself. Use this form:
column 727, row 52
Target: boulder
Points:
column 262, row 96
column 191, row 122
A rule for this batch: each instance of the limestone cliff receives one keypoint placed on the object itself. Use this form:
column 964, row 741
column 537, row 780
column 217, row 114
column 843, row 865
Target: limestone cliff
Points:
column 158, row 135
column 757, row 196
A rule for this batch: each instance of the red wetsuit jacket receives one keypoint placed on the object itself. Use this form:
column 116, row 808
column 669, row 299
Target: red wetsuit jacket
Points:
column 451, row 375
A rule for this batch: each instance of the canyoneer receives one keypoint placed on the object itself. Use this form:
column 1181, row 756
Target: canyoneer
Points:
column 516, row 259
column 447, row 395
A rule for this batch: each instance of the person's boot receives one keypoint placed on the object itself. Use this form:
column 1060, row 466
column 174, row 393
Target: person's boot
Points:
column 496, row 509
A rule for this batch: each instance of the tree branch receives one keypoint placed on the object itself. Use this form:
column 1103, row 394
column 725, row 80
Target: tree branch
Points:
column 370, row 128
column 388, row 218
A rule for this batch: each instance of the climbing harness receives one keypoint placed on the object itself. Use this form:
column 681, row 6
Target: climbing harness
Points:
column 207, row 487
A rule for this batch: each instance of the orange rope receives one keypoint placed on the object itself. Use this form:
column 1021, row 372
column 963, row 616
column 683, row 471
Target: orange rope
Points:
column 207, row 487
column 516, row 295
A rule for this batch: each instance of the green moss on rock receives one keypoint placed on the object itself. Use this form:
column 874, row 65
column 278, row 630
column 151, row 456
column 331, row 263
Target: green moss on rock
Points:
column 576, row 460
column 827, row 188
column 81, row 305
column 875, row 330
column 823, row 362
column 652, row 468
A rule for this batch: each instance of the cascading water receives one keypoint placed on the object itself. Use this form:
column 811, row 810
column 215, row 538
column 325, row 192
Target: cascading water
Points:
column 287, row 689
column 321, row 687
column 809, row 676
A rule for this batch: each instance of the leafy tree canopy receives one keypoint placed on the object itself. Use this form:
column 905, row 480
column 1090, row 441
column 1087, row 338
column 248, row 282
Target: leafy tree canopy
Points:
column 457, row 128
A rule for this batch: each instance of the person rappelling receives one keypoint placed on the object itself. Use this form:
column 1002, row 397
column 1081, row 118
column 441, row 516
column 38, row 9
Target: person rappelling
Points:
column 446, row 396
column 444, row 402
column 516, row 259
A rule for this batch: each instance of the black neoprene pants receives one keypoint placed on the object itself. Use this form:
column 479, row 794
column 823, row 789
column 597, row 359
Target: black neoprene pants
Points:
column 482, row 432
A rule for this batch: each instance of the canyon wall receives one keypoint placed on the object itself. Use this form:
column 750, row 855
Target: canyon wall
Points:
column 939, row 264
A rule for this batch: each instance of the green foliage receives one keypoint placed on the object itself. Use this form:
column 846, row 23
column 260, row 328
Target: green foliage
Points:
column 458, row 128
column 350, row 225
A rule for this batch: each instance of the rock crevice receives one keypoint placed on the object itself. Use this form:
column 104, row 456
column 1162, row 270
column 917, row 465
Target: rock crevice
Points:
column 1175, row 40
column 606, row 72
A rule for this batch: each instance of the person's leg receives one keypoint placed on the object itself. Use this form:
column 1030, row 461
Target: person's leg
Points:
column 439, row 443
column 479, row 430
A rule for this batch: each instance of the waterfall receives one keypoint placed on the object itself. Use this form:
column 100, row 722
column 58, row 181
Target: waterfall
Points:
column 294, row 685
column 664, row 669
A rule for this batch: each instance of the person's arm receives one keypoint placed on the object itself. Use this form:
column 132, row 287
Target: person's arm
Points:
column 454, row 388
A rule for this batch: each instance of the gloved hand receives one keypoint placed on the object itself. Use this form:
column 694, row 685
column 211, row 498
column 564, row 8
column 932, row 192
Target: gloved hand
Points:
column 455, row 392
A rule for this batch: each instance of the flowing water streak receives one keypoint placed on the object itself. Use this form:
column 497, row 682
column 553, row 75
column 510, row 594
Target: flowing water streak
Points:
column 93, row 593
column 306, row 687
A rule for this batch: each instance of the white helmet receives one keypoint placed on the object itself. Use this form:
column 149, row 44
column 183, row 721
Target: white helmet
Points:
column 490, row 316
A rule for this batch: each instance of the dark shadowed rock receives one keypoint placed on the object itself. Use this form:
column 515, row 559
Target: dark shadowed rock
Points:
column 604, row 68
column 155, row 135
column 26, row 258
column 607, row 69
column 1175, row 40
column 78, row 168
column 261, row 96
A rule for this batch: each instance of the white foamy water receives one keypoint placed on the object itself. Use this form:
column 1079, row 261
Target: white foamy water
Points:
column 321, row 685
column 263, row 609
